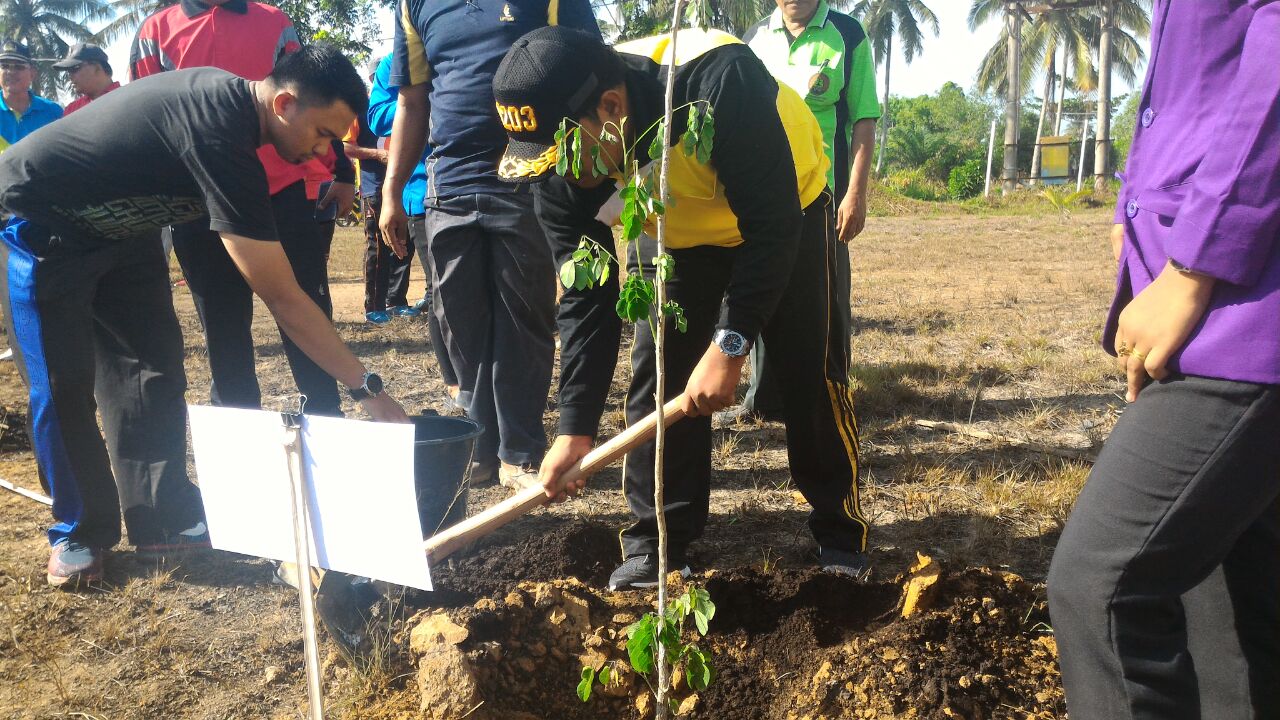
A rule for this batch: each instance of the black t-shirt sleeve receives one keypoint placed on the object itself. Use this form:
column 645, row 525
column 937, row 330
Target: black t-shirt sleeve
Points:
column 235, row 189
column 752, row 158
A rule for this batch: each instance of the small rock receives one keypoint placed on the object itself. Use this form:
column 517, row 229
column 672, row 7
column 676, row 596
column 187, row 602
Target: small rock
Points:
column 514, row 599
column 687, row 706
column 644, row 704
column 272, row 674
column 435, row 630
column 624, row 619
column 527, row 664
column 486, row 604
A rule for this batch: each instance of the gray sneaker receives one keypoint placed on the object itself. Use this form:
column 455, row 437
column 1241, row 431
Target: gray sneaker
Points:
column 845, row 562
column 640, row 572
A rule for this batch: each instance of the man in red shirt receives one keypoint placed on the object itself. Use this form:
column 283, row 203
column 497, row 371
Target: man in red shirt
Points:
column 247, row 39
column 89, row 70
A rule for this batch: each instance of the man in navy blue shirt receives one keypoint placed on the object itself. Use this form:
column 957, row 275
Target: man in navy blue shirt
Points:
column 496, row 279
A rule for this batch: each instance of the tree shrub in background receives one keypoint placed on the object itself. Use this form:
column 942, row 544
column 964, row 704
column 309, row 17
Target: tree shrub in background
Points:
column 966, row 180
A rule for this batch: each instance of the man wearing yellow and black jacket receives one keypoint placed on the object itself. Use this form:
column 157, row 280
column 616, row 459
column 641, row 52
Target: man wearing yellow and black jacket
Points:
column 754, row 255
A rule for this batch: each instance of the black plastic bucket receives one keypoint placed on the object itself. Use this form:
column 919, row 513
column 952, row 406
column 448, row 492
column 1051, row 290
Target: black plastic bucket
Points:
column 442, row 449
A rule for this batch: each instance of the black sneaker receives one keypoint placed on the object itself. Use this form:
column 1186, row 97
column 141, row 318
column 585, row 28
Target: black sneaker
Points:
column 193, row 539
column 844, row 562
column 639, row 572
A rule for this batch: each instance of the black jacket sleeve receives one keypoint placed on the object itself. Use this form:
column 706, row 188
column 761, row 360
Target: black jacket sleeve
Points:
column 753, row 161
column 589, row 326
column 344, row 171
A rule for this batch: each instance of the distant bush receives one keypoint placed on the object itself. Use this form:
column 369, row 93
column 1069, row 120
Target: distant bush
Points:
column 915, row 184
column 966, row 180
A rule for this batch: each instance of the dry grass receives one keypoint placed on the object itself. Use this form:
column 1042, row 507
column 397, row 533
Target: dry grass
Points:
column 987, row 316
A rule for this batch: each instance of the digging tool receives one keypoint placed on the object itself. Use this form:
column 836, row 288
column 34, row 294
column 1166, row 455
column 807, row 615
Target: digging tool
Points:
column 451, row 539
column 29, row 494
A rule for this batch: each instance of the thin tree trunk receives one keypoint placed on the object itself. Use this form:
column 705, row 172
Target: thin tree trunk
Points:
column 1102, row 148
column 659, row 359
column 1062, row 94
column 884, row 107
column 1044, row 106
column 1013, row 82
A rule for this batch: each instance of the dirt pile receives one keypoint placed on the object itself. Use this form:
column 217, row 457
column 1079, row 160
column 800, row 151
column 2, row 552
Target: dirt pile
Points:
column 787, row 645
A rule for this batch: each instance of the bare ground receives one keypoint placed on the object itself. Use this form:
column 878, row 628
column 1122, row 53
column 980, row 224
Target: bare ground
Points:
column 987, row 321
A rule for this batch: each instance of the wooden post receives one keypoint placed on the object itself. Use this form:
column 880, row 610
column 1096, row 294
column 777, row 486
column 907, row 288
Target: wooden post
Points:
column 991, row 152
column 298, row 489
column 1102, row 149
column 1013, row 82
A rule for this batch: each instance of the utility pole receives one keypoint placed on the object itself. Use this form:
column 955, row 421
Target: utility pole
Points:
column 1102, row 148
column 1013, row 81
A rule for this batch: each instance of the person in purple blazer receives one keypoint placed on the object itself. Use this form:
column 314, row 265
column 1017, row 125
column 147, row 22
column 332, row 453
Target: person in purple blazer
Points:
column 1164, row 591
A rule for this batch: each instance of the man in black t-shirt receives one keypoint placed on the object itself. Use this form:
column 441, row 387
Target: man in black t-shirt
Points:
column 85, row 288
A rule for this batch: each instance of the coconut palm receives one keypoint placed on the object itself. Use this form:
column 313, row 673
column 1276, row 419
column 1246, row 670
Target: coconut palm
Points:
column 127, row 16
column 883, row 20
column 48, row 28
column 1071, row 34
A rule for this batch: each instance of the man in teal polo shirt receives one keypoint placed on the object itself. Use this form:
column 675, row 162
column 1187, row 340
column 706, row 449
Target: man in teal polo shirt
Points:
column 22, row 112
column 824, row 56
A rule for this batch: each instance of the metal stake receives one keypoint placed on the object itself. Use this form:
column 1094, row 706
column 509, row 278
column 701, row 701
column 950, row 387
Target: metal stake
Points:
column 298, row 488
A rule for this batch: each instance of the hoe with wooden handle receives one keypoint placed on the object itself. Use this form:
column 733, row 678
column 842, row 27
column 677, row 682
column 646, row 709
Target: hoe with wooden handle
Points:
column 451, row 539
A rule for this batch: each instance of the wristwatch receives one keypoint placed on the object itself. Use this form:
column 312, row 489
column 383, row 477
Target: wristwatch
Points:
column 731, row 343
column 372, row 387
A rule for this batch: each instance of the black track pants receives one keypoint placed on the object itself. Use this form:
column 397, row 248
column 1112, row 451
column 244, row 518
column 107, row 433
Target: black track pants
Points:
column 386, row 277
column 808, row 351
column 104, row 312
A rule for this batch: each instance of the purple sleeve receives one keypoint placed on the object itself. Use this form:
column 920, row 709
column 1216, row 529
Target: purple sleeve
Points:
column 1230, row 221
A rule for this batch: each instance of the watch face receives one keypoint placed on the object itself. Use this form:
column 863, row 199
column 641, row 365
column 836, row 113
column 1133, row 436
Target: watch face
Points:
column 374, row 383
column 733, row 344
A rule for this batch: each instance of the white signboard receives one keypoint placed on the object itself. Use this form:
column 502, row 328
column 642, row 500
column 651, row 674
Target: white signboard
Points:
column 362, row 506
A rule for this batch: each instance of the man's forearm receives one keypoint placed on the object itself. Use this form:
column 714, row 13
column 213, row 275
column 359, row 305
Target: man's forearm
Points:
column 363, row 153
column 408, row 138
column 860, row 152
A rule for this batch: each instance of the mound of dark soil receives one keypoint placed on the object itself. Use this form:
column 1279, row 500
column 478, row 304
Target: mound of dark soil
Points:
column 564, row 549
column 785, row 645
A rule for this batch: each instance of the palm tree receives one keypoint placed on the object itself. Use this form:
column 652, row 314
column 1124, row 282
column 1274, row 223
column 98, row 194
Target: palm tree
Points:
column 48, row 27
column 127, row 16
column 1073, row 33
column 883, row 19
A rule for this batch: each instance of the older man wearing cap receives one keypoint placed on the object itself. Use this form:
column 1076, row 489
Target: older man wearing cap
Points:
column 24, row 111
column 89, row 70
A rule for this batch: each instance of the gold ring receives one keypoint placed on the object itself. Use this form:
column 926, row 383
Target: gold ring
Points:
column 1139, row 356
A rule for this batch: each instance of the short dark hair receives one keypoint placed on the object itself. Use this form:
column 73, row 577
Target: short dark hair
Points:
column 610, row 72
column 320, row 74
column 106, row 67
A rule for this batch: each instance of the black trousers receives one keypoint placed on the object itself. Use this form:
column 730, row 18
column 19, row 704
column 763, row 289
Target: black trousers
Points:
column 93, row 330
column 386, row 277
column 418, row 241
column 495, row 281
column 224, row 303
column 762, row 394
column 812, row 362
column 1163, row 589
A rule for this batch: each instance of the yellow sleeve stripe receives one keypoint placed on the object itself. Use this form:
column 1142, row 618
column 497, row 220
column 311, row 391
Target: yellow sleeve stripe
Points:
column 416, row 52
column 553, row 12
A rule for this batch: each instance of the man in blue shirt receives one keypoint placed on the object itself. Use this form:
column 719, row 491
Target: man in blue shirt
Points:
column 24, row 112
column 382, row 114
column 494, row 273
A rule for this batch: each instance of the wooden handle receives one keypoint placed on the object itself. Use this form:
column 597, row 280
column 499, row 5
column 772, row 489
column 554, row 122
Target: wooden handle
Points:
column 454, row 538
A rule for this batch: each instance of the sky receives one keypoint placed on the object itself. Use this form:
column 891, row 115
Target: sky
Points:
column 953, row 56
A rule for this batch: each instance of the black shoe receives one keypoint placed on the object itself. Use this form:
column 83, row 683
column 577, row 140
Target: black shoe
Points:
column 641, row 571
column 844, row 562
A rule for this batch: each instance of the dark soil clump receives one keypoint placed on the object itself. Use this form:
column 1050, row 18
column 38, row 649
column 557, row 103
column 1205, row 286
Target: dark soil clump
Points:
column 572, row 549
column 775, row 628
